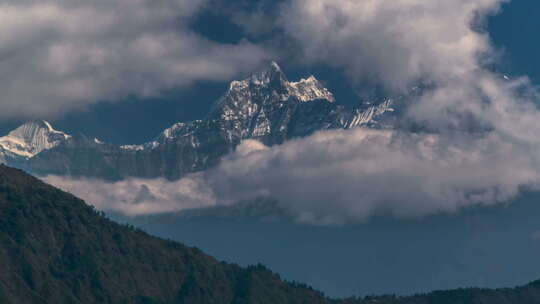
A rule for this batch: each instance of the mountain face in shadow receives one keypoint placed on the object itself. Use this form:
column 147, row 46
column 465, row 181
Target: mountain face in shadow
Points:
column 56, row 249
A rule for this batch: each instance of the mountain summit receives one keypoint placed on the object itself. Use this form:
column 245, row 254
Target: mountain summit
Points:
column 267, row 88
column 266, row 105
column 30, row 139
column 272, row 82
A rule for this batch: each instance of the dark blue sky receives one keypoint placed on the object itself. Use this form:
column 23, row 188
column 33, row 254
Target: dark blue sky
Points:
column 514, row 31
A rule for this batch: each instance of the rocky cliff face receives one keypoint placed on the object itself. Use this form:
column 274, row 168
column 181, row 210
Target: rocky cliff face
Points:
column 266, row 107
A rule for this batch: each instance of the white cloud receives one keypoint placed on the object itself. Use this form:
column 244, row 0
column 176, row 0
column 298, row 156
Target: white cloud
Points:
column 341, row 176
column 395, row 43
column 335, row 177
column 59, row 55
column 138, row 196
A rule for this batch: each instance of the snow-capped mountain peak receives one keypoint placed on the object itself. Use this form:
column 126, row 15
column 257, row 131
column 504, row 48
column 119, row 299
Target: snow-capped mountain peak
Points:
column 31, row 138
column 270, row 85
column 272, row 77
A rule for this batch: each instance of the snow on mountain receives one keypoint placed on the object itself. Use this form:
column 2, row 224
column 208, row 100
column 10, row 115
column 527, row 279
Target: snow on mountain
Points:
column 133, row 147
column 273, row 82
column 30, row 139
column 248, row 109
column 310, row 89
column 369, row 115
column 266, row 104
column 266, row 107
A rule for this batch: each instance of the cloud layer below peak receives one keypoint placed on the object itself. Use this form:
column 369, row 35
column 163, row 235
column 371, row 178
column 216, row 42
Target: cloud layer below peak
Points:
column 336, row 177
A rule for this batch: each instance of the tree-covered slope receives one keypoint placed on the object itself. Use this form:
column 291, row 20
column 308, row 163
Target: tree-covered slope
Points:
column 56, row 249
column 529, row 294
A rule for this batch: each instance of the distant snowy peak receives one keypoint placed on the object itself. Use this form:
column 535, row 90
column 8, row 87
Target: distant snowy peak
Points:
column 31, row 138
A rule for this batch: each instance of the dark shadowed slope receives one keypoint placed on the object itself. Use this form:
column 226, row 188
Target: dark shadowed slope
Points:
column 56, row 249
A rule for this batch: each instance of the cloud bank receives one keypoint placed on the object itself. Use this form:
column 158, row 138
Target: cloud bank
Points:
column 343, row 176
column 336, row 177
column 60, row 55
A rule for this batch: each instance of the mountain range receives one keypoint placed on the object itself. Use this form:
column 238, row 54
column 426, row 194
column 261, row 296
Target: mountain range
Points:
column 266, row 107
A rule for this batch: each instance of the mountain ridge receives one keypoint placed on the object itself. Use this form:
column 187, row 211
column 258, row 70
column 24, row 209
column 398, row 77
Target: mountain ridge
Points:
column 266, row 107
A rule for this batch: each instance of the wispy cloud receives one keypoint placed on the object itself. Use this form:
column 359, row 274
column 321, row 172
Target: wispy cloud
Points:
column 138, row 196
